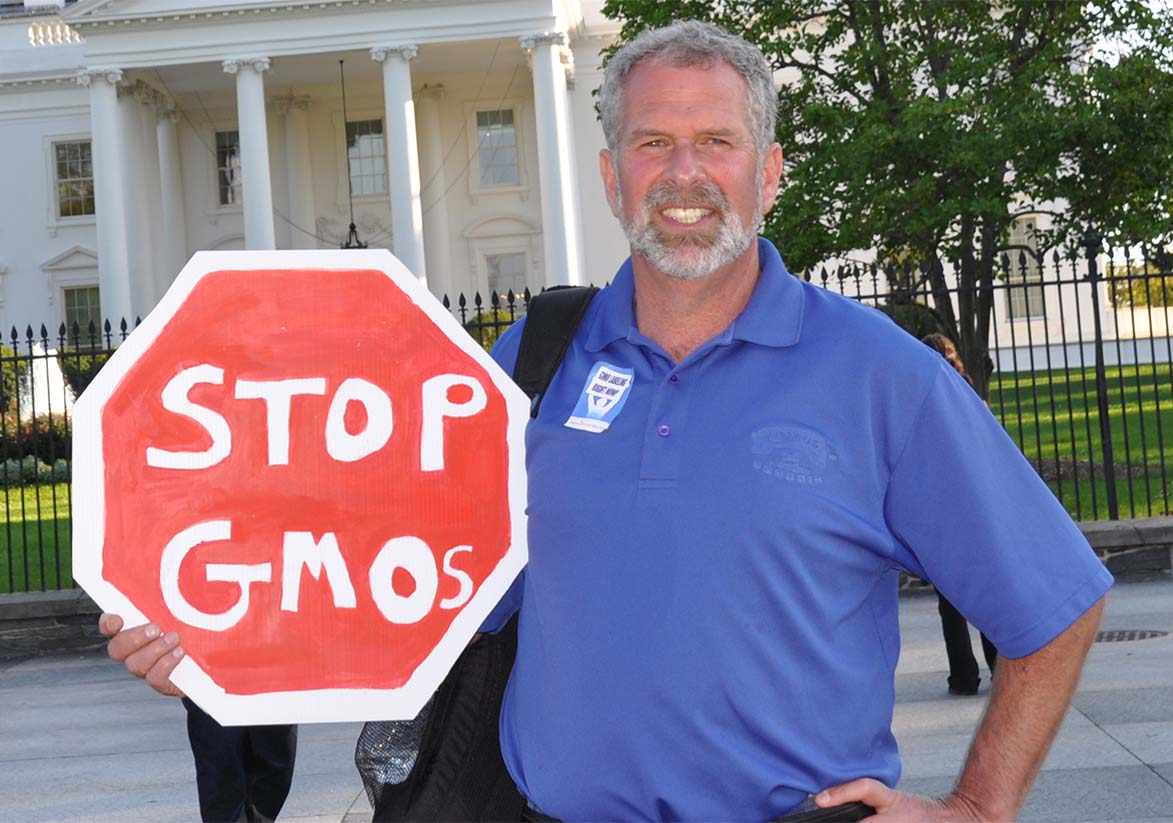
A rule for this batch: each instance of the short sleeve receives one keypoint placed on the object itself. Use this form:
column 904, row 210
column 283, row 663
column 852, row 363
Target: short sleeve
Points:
column 504, row 351
column 509, row 603
column 972, row 516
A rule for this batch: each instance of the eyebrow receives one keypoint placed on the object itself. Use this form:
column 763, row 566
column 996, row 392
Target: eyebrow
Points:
column 714, row 132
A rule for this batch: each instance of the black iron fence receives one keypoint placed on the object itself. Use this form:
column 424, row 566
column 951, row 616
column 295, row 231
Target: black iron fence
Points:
column 1077, row 362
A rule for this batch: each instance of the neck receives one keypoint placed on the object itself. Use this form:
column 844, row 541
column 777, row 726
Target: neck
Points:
column 680, row 315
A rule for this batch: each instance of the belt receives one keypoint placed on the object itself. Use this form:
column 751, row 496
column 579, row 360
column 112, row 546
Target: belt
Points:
column 847, row 813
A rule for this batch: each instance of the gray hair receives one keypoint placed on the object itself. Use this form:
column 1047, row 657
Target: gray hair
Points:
column 688, row 43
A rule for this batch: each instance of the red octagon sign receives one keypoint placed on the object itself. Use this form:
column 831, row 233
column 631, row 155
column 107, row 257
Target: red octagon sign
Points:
column 301, row 463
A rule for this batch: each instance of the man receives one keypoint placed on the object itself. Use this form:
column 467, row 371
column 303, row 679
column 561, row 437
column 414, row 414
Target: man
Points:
column 725, row 477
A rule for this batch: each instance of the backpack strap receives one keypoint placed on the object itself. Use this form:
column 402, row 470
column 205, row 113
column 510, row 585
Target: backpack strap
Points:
column 550, row 324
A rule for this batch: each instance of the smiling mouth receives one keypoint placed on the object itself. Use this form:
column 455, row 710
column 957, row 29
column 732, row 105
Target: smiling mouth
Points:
column 686, row 216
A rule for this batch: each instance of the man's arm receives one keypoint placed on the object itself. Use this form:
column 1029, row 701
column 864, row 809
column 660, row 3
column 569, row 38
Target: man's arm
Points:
column 1029, row 698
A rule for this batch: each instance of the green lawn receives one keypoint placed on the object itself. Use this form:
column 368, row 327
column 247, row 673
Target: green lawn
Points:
column 34, row 538
column 1054, row 418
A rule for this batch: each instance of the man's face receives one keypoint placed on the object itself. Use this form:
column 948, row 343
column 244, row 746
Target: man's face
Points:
column 686, row 184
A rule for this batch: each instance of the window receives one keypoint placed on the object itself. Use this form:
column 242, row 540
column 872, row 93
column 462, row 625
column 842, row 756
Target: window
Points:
column 367, row 150
column 74, row 171
column 228, row 167
column 497, row 148
column 1024, row 300
column 82, row 306
column 506, row 271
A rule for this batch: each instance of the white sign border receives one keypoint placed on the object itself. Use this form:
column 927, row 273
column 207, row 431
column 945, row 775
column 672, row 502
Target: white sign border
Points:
column 89, row 504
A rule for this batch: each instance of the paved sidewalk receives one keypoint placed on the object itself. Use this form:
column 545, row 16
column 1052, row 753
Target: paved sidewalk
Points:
column 80, row 741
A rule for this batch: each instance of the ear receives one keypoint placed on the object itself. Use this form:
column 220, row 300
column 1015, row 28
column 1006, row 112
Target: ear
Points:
column 771, row 176
column 610, row 180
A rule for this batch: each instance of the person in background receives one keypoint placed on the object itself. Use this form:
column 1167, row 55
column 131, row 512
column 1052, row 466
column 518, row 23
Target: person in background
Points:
column 964, row 677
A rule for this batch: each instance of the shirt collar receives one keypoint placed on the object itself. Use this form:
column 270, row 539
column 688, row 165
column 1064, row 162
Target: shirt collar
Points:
column 773, row 316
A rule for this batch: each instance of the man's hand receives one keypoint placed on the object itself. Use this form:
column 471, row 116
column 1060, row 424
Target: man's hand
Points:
column 898, row 806
column 144, row 650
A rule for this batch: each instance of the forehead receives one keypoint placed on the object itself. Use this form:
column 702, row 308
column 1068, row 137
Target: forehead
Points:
column 664, row 97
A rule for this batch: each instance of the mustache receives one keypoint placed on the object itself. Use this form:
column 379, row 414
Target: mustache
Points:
column 697, row 196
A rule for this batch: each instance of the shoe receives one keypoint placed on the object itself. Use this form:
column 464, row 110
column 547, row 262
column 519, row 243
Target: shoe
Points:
column 965, row 692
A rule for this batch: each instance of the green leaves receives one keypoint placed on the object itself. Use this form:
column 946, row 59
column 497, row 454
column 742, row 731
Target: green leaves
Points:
column 922, row 129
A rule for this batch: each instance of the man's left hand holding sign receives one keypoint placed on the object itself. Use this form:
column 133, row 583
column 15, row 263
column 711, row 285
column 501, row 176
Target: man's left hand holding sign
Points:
column 146, row 651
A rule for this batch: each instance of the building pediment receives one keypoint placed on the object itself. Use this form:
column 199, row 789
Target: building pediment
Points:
column 95, row 10
column 499, row 226
column 78, row 257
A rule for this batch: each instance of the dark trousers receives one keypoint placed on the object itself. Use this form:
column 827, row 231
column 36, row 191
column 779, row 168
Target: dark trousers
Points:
column 963, row 668
column 242, row 772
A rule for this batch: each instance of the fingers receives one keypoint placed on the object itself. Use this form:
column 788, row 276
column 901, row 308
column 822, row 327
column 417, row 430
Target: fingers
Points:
column 125, row 642
column 159, row 675
column 145, row 651
column 865, row 790
column 109, row 624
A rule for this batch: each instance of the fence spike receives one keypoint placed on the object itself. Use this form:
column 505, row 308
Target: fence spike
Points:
column 28, row 334
column 461, row 301
column 494, row 300
column 15, row 337
column 447, row 304
column 44, row 336
column 477, row 301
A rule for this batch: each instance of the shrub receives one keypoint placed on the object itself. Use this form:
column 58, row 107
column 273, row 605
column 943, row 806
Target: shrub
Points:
column 78, row 366
column 489, row 325
column 28, row 470
column 47, row 437
column 13, row 373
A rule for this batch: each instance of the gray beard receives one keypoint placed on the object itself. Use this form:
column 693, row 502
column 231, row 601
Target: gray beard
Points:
column 688, row 258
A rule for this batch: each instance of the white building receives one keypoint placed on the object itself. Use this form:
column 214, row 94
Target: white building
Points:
column 136, row 132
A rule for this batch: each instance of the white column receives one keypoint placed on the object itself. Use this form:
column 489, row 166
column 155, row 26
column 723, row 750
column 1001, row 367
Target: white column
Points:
column 134, row 183
column 171, row 185
column 257, row 187
column 407, row 222
column 299, row 172
column 109, row 193
column 151, row 207
column 560, row 233
column 433, row 201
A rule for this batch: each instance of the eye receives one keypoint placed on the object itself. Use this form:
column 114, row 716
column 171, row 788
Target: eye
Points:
column 716, row 141
column 655, row 143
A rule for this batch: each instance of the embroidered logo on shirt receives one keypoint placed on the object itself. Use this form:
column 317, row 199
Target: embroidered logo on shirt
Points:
column 602, row 398
column 791, row 453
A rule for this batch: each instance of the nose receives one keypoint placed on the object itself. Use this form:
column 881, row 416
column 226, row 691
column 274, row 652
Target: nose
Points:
column 684, row 167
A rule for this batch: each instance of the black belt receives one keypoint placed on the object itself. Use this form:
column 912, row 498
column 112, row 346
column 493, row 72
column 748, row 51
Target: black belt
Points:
column 847, row 813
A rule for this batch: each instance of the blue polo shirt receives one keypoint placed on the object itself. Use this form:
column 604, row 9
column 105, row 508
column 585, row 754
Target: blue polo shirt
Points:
column 708, row 624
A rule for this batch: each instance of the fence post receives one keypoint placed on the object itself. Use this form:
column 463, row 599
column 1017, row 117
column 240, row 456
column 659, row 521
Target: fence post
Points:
column 1091, row 243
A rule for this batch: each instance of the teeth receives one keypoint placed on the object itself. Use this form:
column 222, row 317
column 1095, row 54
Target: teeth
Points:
column 686, row 215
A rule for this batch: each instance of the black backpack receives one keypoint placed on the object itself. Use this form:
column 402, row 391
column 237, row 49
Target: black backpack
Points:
column 458, row 773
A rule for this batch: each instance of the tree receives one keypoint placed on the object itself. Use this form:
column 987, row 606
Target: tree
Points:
column 924, row 129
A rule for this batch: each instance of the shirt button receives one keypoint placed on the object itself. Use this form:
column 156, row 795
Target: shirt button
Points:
column 664, row 430
column 674, row 378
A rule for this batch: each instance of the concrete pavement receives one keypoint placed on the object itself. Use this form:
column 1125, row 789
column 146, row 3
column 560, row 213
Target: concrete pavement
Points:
column 80, row 741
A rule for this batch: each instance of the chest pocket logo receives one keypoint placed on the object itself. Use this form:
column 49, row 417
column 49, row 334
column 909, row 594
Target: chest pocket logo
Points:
column 794, row 454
